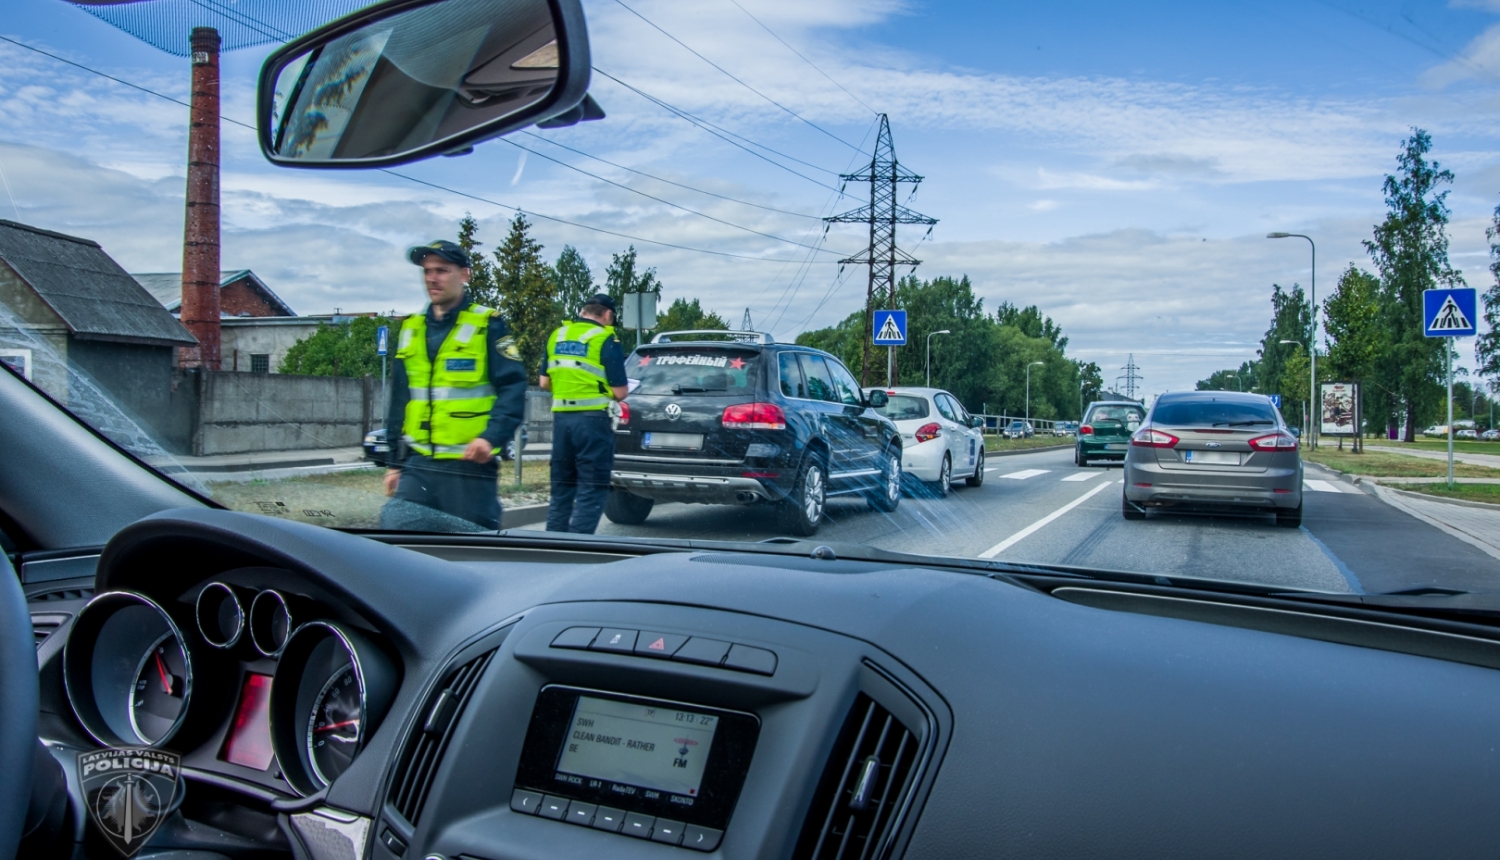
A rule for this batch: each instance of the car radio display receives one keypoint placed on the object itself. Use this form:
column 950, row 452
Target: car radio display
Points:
column 638, row 743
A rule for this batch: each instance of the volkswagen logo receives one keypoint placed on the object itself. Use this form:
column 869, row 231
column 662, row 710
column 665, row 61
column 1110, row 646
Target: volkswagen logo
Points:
column 673, row 411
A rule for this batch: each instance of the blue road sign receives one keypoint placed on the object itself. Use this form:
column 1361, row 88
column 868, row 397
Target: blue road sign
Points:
column 890, row 328
column 382, row 340
column 1275, row 400
column 1450, row 313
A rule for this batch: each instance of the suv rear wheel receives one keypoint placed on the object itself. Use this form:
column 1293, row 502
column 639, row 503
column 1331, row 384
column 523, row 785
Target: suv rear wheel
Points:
column 801, row 512
column 886, row 496
column 626, row 508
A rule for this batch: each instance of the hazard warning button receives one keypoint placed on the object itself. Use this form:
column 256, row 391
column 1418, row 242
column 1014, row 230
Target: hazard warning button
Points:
column 663, row 645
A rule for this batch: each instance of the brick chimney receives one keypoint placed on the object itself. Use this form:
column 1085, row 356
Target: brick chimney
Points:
column 200, row 241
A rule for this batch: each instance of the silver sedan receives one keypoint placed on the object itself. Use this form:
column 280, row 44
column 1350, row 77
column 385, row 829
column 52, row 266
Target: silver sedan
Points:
column 1218, row 451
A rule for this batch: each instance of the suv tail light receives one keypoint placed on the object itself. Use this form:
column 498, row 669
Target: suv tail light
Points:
column 754, row 416
column 1086, row 430
column 928, row 432
column 624, row 413
column 1274, row 442
column 1149, row 438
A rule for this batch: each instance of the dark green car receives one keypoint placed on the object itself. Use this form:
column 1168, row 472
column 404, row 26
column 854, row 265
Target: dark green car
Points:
column 1105, row 432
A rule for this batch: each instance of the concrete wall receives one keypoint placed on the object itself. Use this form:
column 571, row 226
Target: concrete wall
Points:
column 272, row 336
column 245, row 412
column 142, row 381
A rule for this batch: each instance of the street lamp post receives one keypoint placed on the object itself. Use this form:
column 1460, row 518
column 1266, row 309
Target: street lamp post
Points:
column 929, row 354
column 1312, row 352
column 1028, row 390
column 1239, row 384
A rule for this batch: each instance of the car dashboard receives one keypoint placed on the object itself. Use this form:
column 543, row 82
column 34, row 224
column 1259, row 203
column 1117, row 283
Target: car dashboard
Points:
column 338, row 696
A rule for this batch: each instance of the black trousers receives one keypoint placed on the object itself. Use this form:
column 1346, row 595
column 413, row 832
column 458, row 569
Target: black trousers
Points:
column 432, row 493
column 583, row 455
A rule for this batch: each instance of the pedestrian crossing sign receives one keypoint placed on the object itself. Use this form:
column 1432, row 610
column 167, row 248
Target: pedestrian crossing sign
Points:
column 890, row 328
column 1450, row 313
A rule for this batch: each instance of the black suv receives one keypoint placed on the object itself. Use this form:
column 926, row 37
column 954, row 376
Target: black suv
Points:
column 737, row 419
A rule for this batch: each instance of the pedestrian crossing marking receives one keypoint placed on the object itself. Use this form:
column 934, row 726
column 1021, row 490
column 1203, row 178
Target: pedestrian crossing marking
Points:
column 1025, row 473
column 891, row 331
column 1083, row 476
column 1320, row 486
column 1450, row 318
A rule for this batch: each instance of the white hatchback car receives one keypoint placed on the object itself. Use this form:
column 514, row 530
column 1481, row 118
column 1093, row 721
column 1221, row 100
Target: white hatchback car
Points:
column 940, row 439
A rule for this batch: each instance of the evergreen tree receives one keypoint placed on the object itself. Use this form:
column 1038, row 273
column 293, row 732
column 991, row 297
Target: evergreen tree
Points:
column 623, row 276
column 528, row 297
column 1410, row 251
column 684, row 315
column 575, row 282
column 1487, row 346
column 1291, row 319
column 482, row 288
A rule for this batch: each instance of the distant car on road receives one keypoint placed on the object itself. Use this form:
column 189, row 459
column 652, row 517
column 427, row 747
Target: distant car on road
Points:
column 378, row 449
column 1214, row 451
column 940, row 439
column 1492, row 435
column 1019, row 429
column 1065, row 428
column 1105, row 431
column 1465, row 433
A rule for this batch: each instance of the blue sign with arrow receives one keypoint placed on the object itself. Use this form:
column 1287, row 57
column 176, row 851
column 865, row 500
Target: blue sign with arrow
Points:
column 890, row 328
column 1450, row 313
column 1275, row 400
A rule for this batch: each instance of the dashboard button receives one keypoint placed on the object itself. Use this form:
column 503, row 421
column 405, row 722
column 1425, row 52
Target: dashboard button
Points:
column 638, row 825
column 666, row 831
column 609, row 818
column 701, row 838
column 393, row 843
column 554, row 807
column 575, row 637
column 706, row 652
column 581, row 813
column 743, row 658
column 610, row 639
column 662, row 645
column 527, row 802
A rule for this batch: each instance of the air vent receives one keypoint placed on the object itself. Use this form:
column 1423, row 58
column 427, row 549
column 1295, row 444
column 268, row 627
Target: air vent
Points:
column 62, row 594
column 44, row 624
column 867, row 781
column 429, row 739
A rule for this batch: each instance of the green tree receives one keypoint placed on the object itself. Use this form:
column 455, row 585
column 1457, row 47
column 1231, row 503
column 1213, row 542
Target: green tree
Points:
column 624, row 276
column 1487, row 345
column 684, row 315
column 1091, row 380
column 1410, row 251
column 1232, row 379
column 528, row 296
column 575, row 282
column 340, row 349
column 1291, row 319
column 482, row 287
column 1357, row 341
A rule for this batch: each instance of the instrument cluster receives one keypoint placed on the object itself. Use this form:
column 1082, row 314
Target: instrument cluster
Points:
column 297, row 690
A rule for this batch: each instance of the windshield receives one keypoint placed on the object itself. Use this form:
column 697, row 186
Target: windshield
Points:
column 1198, row 291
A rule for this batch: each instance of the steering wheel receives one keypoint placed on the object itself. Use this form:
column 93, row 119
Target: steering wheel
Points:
column 18, row 708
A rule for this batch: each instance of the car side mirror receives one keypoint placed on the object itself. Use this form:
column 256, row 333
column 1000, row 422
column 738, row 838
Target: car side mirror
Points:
column 405, row 80
column 877, row 399
column 975, row 421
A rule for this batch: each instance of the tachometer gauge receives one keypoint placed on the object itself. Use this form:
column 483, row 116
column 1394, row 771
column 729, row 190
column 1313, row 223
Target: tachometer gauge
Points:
column 333, row 731
column 159, row 693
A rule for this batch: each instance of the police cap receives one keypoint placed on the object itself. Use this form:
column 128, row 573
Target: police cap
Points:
column 603, row 301
column 450, row 251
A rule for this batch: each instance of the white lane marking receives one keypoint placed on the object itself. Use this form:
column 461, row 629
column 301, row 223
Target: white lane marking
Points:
column 1319, row 486
column 1025, row 473
column 1083, row 476
column 1016, row 538
column 1121, row 481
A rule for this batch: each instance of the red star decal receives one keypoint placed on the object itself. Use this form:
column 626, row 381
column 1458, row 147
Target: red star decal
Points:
column 738, row 364
column 645, row 360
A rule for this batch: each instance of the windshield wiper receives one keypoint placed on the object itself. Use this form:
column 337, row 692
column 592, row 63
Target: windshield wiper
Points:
column 1241, row 423
column 693, row 389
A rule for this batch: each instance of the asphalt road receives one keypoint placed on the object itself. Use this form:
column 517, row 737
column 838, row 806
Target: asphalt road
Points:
column 1040, row 508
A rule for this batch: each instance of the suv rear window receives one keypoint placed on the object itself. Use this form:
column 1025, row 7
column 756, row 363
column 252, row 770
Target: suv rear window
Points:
column 693, row 371
column 904, row 407
column 1123, row 414
column 1213, row 413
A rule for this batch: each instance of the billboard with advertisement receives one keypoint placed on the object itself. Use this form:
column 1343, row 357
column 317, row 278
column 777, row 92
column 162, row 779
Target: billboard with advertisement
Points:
column 1340, row 400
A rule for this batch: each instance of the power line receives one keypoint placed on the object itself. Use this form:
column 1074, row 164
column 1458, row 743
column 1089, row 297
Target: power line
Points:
column 725, row 134
column 668, row 181
column 735, row 79
column 804, row 58
column 408, row 178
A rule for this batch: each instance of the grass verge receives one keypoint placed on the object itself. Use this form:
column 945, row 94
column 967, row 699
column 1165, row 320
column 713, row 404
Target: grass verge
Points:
column 1467, row 492
column 1379, row 464
column 997, row 443
column 1460, row 446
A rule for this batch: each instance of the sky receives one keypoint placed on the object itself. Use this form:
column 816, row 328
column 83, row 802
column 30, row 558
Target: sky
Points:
column 1117, row 165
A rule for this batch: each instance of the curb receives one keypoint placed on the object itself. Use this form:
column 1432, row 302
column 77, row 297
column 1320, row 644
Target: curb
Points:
column 525, row 515
column 1392, row 498
column 1486, row 506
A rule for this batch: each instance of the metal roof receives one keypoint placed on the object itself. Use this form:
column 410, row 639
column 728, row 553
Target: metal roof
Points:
column 94, row 297
column 166, row 287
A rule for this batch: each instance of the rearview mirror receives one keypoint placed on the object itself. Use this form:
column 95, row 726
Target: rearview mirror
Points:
column 408, row 79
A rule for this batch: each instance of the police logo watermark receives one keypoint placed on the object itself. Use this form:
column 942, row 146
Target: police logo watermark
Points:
column 129, row 793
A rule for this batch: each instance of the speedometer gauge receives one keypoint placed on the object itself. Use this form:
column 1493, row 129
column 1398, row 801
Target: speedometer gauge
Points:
column 159, row 693
column 333, row 731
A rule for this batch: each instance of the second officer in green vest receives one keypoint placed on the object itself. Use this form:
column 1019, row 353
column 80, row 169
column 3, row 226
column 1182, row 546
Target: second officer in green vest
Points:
column 458, row 394
column 585, row 371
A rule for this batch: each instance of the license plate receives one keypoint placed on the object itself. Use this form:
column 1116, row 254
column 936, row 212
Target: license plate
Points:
column 1212, row 458
column 381, row 449
column 678, row 441
column 1115, row 446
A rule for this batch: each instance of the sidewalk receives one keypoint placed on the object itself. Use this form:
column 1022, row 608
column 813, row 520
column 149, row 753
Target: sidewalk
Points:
column 1470, row 522
column 1491, row 461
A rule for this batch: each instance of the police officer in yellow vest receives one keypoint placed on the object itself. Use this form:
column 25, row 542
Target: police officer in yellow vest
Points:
column 458, row 394
column 585, row 371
